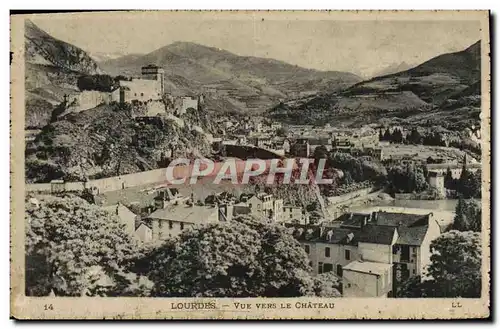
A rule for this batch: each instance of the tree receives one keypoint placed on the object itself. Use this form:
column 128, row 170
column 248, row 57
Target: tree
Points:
column 241, row 258
column 414, row 137
column 411, row 288
column 467, row 216
column 75, row 249
column 407, row 179
column 387, row 135
column 99, row 82
column 469, row 184
column 320, row 152
column 455, row 266
column 455, row 269
column 327, row 285
column 449, row 182
column 397, row 136
column 281, row 132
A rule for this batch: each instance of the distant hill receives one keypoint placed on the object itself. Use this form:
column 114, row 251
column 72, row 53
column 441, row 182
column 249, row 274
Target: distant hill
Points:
column 52, row 67
column 393, row 68
column 241, row 82
column 423, row 94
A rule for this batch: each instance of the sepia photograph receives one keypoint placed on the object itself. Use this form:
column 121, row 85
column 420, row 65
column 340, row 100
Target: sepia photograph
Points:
column 250, row 165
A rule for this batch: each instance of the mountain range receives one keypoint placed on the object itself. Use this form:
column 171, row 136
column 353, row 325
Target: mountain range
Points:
column 437, row 89
column 243, row 82
column 444, row 90
column 230, row 82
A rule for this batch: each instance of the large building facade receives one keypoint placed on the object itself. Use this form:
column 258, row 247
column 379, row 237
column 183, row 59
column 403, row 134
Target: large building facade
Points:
column 149, row 87
column 372, row 253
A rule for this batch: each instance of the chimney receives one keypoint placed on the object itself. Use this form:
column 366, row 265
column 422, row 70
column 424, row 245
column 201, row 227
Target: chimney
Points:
column 350, row 236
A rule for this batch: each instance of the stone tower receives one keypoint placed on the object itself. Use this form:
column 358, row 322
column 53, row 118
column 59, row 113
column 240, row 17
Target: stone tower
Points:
column 154, row 72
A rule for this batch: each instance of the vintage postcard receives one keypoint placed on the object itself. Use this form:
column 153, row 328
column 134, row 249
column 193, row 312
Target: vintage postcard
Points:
column 250, row 165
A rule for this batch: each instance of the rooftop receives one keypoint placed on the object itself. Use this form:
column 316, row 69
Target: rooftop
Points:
column 377, row 234
column 368, row 267
column 184, row 213
column 379, row 226
column 432, row 166
column 314, row 233
column 401, row 219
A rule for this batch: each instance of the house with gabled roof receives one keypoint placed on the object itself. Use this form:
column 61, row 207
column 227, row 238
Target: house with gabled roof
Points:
column 373, row 253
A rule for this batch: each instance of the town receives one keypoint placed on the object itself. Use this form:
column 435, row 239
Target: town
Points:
column 370, row 240
column 195, row 172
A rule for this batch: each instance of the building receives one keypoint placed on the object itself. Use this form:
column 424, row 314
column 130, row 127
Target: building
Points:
column 301, row 148
column 125, row 215
column 143, row 233
column 153, row 72
column 436, row 181
column 328, row 248
column 183, row 103
column 89, row 99
column 167, row 197
column 316, row 142
column 455, row 168
column 169, row 222
column 292, row 214
column 373, row 253
column 367, row 279
column 276, row 125
column 360, row 139
column 261, row 205
column 277, row 214
column 149, row 87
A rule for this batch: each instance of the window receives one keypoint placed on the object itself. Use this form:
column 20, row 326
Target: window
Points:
column 327, row 267
column 348, row 255
column 182, row 226
column 320, row 267
column 327, row 252
column 348, row 285
column 414, row 272
column 394, row 250
column 142, row 94
column 339, row 270
column 405, row 253
column 306, row 248
column 170, row 224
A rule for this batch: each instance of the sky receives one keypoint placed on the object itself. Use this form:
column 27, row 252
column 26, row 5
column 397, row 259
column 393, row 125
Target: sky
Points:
column 363, row 47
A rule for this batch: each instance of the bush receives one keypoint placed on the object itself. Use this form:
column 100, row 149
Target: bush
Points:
column 99, row 82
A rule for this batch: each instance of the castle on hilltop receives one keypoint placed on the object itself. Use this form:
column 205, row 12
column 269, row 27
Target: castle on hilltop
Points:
column 149, row 87
column 146, row 93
